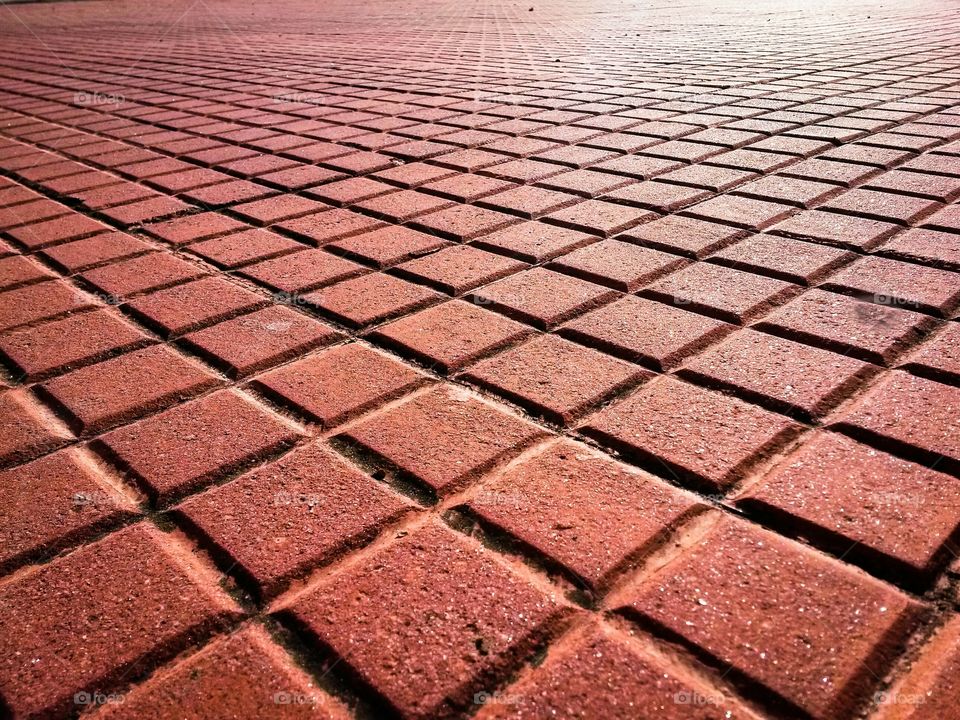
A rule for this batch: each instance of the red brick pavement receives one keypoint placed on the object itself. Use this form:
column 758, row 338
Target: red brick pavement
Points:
column 562, row 359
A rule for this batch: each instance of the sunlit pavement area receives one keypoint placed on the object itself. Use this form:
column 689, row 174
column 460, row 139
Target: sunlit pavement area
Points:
column 436, row 359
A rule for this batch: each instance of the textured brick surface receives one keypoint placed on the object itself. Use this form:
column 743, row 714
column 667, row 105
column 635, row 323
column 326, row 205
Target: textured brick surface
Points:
column 555, row 378
column 302, row 271
column 180, row 309
column 864, row 501
column 704, row 597
column 598, row 674
column 930, row 690
column 587, row 513
column 460, row 268
column 784, row 374
column 259, row 339
column 141, row 274
column 61, row 345
column 242, row 674
column 190, row 228
column 541, row 297
column 25, row 305
column 696, row 435
column 314, row 507
column 930, row 247
column 243, row 248
column 111, row 604
column 58, row 500
column 622, row 266
column 444, row 438
column 901, row 209
column 576, row 282
column 324, row 227
column 126, row 387
column 835, row 229
column 790, row 260
column 729, row 295
column 336, row 384
column 387, row 246
column 371, row 299
column 883, row 281
column 464, row 222
column 88, row 252
column 645, row 331
column 744, row 212
column 212, row 436
column 940, row 357
column 685, row 236
column 535, row 241
column 598, row 217
column 446, row 642
column 876, row 333
column 18, row 270
column 26, row 427
column 451, row 335
column 916, row 413
column 48, row 232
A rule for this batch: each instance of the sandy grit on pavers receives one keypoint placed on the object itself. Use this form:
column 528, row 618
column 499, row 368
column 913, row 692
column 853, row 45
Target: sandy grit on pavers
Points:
column 705, row 599
column 561, row 360
column 128, row 598
column 484, row 619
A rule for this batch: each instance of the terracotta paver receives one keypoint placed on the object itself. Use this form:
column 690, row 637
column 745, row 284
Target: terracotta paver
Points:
column 866, row 505
column 214, row 436
column 61, row 345
column 555, row 378
column 316, row 507
column 485, row 619
column 690, row 433
column 126, row 387
column 600, row 673
column 913, row 413
column 62, row 500
column 517, row 361
column 130, row 600
column 582, row 510
column 783, row 374
column 246, row 673
column 706, row 599
column 339, row 383
column 930, row 689
column 452, row 335
column 418, row 437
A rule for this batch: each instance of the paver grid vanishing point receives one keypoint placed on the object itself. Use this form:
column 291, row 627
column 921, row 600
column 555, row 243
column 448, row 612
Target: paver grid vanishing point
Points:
column 436, row 359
